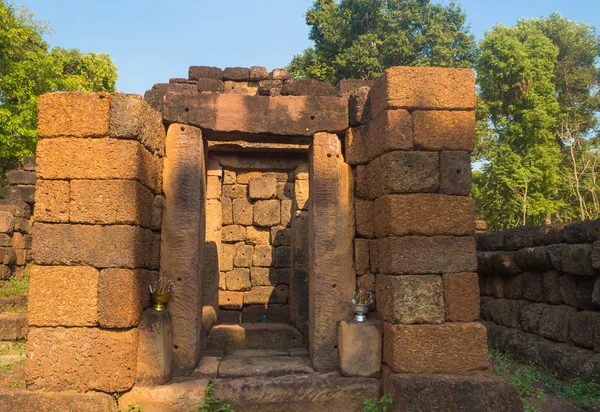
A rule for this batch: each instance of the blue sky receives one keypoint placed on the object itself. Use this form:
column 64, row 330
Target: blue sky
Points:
column 151, row 41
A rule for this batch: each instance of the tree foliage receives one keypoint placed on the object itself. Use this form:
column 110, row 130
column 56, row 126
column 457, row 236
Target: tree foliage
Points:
column 361, row 38
column 29, row 68
column 537, row 123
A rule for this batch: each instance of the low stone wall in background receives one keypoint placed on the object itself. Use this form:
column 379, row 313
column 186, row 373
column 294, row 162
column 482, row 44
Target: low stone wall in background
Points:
column 16, row 209
column 544, row 281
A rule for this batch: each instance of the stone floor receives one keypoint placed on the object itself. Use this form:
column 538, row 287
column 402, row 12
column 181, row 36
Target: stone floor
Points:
column 242, row 363
column 254, row 336
column 257, row 380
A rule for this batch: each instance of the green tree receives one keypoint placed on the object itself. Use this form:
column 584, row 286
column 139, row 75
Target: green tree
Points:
column 361, row 38
column 537, row 111
column 28, row 68
column 576, row 79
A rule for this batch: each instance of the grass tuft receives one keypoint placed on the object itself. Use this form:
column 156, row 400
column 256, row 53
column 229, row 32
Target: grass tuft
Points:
column 531, row 381
column 15, row 286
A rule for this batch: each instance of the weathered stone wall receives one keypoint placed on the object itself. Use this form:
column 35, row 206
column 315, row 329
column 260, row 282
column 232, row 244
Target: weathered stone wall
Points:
column 95, row 239
column 256, row 236
column 544, row 281
column 20, row 185
column 252, row 202
column 414, row 218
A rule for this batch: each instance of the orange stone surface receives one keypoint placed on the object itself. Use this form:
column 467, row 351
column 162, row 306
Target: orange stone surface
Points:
column 448, row 348
column 81, row 359
column 63, row 296
column 424, row 215
column 461, row 295
column 70, row 158
column 444, row 130
column 423, row 88
column 74, row 115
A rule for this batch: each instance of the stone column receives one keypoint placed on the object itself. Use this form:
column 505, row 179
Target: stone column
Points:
column 331, row 233
column 183, row 236
column 415, row 213
column 213, row 247
column 299, row 246
column 99, row 166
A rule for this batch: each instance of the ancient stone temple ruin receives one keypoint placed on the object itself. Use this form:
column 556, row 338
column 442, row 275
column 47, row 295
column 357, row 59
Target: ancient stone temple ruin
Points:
column 267, row 202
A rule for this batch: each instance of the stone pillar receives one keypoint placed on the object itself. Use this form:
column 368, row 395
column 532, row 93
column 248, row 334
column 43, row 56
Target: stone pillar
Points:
column 212, row 245
column 183, row 237
column 299, row 246
column 99, row 162
column 413, row 185
column 331, row 233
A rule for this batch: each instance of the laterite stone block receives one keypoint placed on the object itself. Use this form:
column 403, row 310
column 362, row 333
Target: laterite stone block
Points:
column 63, row 296
column 444, row 130
column 74, row 115
column 81, row 359
column 452, row 348
column 461, row 295
column 415, row 255
column 423, row 88
column 424, row 215
column 70, row 158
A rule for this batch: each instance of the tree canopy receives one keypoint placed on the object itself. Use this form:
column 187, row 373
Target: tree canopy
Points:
column 537, row 123
column 361, row 38
column 29, row 68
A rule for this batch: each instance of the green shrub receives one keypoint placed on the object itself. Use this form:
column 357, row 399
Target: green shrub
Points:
column 384, row 404
column 211, row 403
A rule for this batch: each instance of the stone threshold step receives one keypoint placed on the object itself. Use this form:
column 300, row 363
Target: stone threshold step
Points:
column 294, row 393
column 253, row 336
column 248, row 353
column 242, row 367
column 297, row 393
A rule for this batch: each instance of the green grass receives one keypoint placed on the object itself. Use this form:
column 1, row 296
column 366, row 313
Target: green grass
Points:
column 13, row 348
column 384, row 404
column 528, row 379
column 6, row 367
column 15, row 286
column 16, row 384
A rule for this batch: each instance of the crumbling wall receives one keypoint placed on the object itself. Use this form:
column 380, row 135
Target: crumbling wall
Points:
column 253, row 81
column 544, row 281
column 95, row 239
column 15, row 255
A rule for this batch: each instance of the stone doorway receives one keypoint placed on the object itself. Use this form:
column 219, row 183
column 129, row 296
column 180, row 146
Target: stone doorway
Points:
column 275, row 128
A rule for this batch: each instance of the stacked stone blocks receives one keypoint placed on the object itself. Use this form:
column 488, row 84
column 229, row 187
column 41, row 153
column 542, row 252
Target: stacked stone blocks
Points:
column 255, row 260
column 20, row 185
column 253, row 81
column 544, row 280
column 15, row 255
column 96, row 239
column 415, row 220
